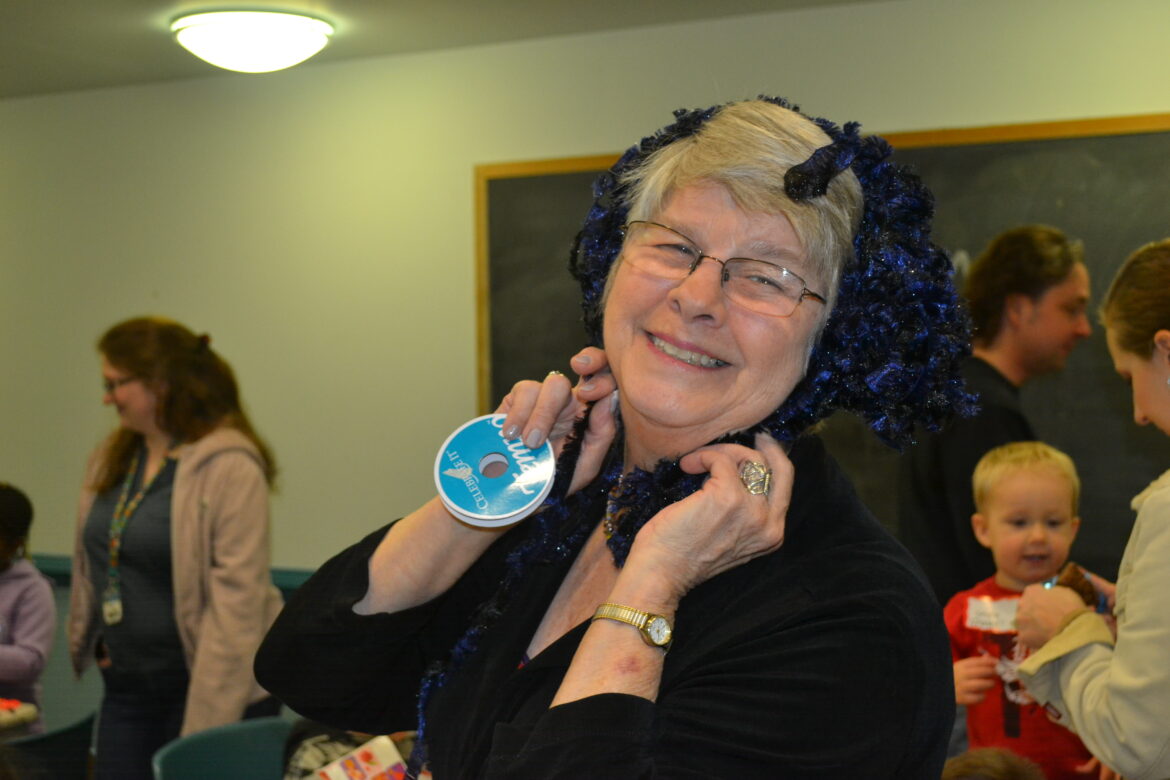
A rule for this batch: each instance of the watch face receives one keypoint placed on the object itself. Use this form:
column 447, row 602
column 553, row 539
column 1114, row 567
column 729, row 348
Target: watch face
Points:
column 659, row 631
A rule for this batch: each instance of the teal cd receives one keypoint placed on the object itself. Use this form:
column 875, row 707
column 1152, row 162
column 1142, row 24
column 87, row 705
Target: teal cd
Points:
column 486, row 480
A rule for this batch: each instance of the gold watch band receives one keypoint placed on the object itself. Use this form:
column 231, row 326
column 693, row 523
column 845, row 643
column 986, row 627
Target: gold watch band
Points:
column 635, row 617
column 656, row 630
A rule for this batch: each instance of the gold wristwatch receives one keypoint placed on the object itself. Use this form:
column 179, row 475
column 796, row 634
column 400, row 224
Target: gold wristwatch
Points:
column 655, row 629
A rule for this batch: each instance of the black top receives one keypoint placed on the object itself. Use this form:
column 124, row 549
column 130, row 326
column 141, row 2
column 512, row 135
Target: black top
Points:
column 825, row 659
column 147, row 638
column 935, row 499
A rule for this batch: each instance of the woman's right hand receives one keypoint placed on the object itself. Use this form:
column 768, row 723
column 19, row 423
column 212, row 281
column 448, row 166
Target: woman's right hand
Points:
column 1042, row 611
column 546, row 410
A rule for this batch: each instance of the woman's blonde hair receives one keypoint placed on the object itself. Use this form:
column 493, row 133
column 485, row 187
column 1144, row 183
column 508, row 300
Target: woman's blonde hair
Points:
column 1018, row 456
column 991, row 764
column 1138, row 302
column 747, row 147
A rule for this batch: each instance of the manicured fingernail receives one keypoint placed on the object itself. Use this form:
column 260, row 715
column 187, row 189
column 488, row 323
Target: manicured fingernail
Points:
column 614, row 401
column 584, row 360
column 511, row 432
column 534, row 438
column 587, row 386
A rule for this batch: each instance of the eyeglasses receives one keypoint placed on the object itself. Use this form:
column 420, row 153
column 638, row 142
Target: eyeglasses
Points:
column 762, row 287
column 110, row 385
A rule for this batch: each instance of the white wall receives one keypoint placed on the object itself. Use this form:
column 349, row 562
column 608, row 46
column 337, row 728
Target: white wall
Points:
column 319, row 222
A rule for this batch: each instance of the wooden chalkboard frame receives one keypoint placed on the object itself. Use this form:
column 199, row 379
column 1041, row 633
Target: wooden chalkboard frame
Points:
column 486, row 174
column 1037, row 131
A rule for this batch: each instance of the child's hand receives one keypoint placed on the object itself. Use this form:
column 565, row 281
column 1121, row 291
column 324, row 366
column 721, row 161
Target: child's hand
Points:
column 974, row 676
column 1094, row 768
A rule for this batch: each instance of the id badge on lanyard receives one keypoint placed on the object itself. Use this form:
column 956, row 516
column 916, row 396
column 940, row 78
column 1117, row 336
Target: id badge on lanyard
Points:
column 112, row 595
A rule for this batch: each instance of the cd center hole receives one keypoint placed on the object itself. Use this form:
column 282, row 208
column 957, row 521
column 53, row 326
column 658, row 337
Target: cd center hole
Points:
column 494, row 464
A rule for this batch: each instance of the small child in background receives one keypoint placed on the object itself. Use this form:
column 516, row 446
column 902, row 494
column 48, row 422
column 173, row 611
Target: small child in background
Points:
column 991, row 764
column 28, row 613
column 1026, row 497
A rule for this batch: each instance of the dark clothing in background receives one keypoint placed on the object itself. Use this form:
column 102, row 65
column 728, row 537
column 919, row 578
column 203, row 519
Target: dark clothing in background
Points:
column 935, row 499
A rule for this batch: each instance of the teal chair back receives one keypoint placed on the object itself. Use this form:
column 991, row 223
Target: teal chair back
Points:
column 59, row 754
column 248, row 750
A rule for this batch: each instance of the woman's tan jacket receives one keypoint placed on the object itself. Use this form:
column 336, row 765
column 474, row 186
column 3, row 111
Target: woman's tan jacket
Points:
column 224, row 596
column 1116, row 697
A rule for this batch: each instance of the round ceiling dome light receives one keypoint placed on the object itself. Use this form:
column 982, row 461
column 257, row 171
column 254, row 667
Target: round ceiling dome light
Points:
column 252, row 41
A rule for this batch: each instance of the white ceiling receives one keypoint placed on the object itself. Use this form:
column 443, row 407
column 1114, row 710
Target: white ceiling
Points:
column 49, row 46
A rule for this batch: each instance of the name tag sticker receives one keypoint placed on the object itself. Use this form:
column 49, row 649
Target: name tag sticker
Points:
column 995, row 615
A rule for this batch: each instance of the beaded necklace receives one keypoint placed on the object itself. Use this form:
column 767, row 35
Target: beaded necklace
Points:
column 123, row 510
column 614, row 512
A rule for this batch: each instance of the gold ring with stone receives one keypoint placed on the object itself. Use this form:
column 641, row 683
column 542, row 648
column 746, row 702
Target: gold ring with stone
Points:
column 756, row 477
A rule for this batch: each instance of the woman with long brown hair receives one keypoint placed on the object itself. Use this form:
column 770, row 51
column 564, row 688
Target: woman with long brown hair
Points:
column 171, row 587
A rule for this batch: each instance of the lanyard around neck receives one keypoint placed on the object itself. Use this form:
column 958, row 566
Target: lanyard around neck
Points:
column 123, row 511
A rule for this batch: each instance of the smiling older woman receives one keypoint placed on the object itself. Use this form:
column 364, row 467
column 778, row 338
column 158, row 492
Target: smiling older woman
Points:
column 702, row 594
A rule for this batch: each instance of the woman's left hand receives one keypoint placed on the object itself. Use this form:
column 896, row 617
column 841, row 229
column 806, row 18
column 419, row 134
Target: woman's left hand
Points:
column 1105, row 589
column 1094, row 768
column 719, row 527
column 1041, row 611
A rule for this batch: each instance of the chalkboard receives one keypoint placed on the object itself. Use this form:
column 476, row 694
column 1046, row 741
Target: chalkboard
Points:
column 529, row 305
column 1106, row 182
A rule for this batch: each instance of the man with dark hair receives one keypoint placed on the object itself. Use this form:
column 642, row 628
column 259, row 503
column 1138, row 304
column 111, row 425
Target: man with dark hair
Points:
column 1028, row 293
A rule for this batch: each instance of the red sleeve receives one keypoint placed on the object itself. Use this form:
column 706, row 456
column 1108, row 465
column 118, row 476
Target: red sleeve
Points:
column 955, row 617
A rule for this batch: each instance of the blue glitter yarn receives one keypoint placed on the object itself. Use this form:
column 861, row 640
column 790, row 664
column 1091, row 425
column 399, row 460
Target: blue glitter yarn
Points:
column 890, row 351
column 891, row 348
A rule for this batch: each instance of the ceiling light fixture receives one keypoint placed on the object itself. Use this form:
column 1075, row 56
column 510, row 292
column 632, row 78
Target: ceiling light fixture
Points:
column 252, row 41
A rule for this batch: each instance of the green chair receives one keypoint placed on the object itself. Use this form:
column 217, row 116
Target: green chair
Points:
column 248, row 750
column 59, row 754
